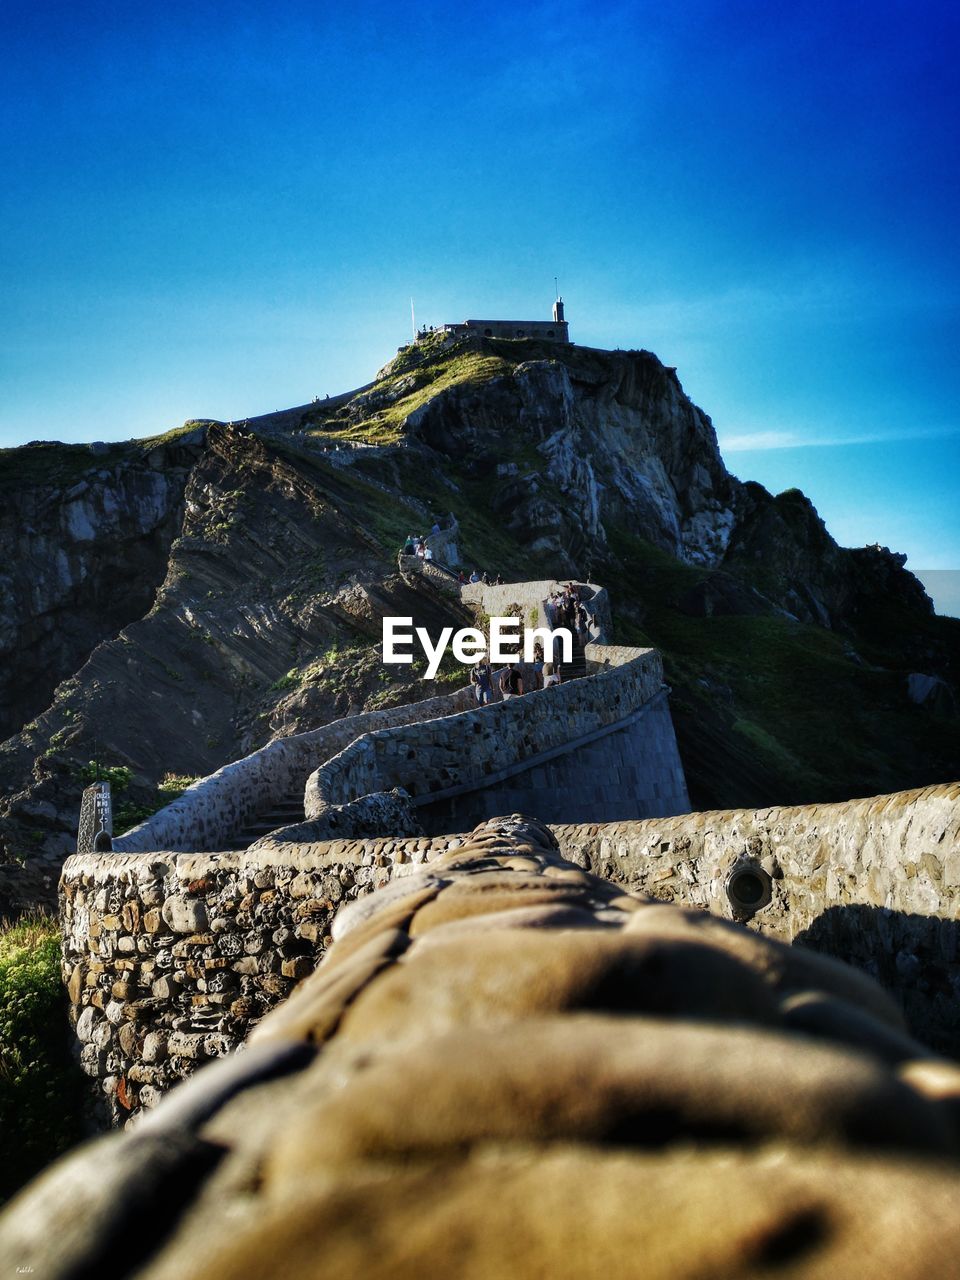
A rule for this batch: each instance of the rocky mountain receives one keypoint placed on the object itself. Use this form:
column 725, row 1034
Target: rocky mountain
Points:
column 86, row 532
column 168, row 605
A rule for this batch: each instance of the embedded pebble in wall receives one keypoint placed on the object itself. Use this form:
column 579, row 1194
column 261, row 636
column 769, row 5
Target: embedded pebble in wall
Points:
column 185, row 915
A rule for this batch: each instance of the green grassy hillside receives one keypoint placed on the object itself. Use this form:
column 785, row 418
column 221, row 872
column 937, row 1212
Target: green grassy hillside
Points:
column 773, row 711
column 41, row 1087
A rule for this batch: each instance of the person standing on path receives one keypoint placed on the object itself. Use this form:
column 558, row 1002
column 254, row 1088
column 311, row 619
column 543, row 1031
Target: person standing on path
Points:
column 481, row 677
column 538, row 665
column 511, row 682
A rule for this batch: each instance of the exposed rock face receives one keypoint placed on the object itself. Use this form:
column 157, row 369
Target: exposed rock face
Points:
column 603, row 440
column 933, row 693
column 80, row 563
column 611, row 437
column 266, row 570
column 786, row 545
column 497, row 1029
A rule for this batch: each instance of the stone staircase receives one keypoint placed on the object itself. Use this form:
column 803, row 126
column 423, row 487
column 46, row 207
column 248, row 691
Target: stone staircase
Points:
column 577, row 667
column 290, row 809
column 282, row 814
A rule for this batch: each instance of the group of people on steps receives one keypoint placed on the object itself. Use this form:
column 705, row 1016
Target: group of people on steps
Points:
column 511, row 681
column 418, row 546
column 564, row 608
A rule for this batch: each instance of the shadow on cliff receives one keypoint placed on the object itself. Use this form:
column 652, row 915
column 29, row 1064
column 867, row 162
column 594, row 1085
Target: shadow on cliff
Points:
column 916, row 958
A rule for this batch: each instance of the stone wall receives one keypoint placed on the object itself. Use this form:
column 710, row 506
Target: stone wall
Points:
column 542, row 330
column 500, row 601
column 436, row 758
column 600, row 656
column 171, row 959
column 215, row 808
column 873, row 881
column 631, row 770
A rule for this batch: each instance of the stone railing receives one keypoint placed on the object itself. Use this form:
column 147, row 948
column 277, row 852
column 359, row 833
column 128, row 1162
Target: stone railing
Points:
column 443, row 546
column 435, row 757
column 171, row 959
column 215, row 808
column 601, row 656
column 873, row 881
column 898, row 852
column 496, row 600
column 442, row 578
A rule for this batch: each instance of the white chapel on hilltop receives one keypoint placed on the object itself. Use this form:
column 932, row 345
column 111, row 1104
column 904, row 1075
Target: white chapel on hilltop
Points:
column 554, row 330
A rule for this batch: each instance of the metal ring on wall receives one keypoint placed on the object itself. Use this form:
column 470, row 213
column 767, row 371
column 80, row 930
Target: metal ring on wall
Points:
column 749, row 888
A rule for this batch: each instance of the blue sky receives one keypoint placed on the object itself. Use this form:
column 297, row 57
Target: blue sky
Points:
column 219, row 210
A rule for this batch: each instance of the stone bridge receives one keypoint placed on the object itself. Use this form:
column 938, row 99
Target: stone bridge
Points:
column 180, row 940
column 595, row 749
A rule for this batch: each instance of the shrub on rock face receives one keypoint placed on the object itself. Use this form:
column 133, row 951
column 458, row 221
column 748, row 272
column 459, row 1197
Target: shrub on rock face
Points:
column 41, row 1088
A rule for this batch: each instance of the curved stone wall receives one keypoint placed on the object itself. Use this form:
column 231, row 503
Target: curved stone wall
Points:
column 200, row 946
column 900, row 852
column 874, row 881
column 461, row 752
column 215, row 808
column 630, row 769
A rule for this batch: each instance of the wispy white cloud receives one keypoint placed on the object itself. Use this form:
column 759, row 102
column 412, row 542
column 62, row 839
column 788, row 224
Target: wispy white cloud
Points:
column 747, row 441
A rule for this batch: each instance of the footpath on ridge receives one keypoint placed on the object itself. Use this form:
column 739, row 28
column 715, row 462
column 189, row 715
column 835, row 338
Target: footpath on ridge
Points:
column 439, row 749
